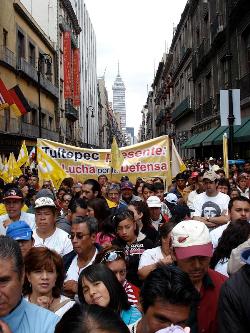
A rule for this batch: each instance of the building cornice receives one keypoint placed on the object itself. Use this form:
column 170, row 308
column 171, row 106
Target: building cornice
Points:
column 67, row 5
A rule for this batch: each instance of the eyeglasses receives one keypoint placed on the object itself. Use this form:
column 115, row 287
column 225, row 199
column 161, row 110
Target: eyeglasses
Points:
column 78, row 235
column 113, row 255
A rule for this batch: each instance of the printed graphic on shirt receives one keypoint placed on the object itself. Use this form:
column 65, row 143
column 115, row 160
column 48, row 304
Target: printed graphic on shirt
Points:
column 210, row 209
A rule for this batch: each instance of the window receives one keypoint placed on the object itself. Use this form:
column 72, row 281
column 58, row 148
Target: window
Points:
column 50, row 123
column 44, row 123
column 208, row 86
column 41, row 62
column 32, row 54
column 5, row 37
column 34, row 117
column 20, row 45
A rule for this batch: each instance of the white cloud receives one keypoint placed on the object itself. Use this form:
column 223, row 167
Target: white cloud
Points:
column 135, row 33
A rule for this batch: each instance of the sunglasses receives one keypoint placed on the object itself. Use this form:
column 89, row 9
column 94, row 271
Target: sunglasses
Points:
column 78, row 235
column 113, row 255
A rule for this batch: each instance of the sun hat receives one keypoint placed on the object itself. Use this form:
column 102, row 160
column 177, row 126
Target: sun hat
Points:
column 153, row 202
column 172, row 198
column 210, row 175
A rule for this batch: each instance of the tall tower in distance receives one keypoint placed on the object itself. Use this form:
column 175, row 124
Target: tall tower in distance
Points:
column 119, row 105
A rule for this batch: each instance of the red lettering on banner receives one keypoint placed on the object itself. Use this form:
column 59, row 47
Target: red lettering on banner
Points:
column 76, row 78
column 67, row 64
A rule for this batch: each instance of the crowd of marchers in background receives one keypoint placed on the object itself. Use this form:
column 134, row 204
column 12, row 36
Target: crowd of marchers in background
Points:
column 119, row 257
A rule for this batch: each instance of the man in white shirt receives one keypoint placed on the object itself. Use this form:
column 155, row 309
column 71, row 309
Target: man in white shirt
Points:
column 46, row 233
column 211, row 206
column 154, row 205
column 13, row 201
column 239, row 210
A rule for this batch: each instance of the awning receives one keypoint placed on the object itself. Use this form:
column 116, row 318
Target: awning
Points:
column 201, row 137
column 218, row 132
column 188, row 142
column 243, row 134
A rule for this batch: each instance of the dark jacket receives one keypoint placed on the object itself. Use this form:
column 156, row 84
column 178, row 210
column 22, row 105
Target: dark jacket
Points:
column 234, row 303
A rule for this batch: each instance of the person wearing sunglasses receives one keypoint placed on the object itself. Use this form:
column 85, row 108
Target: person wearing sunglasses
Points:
column 83, row 238
column 98, row 285
column 115, row 259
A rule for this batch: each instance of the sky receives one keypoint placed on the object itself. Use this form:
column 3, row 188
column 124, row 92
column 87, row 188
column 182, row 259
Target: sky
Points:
column 136, row 33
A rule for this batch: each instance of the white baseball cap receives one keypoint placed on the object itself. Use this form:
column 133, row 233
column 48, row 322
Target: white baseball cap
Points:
column 154, row 201
column 191, row 238
column 172, row 198
column 44, row 202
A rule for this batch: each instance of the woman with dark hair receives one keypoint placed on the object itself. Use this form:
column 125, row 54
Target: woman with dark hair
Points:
column 98, row 285
column 90, row 319
column 234, row 193
column 115, row 259
column 235, row 234
column 160, row 254
column 143, row 220
column 132, row 242
column 138, row 187
column 44, row 275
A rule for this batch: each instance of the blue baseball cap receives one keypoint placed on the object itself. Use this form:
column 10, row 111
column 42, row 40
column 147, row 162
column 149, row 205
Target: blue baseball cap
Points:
column 245, row 256
column 19, row 230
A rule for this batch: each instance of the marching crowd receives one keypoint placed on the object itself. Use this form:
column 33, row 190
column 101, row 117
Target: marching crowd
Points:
column 103, row 256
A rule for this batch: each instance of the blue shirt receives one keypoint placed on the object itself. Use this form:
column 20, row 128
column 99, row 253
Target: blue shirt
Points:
column 30, row 318
column 131, row 315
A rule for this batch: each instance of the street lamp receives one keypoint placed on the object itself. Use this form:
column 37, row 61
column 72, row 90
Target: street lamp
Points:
column 89, row 109
column 43, row 59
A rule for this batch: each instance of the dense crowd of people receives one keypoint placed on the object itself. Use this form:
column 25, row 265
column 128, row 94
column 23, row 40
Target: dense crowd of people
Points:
column 103, row 256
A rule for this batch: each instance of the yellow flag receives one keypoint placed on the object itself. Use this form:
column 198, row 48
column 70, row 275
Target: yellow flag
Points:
column 116, row 156
column 49, row 169
column 5, row 173
column 23, row 156
column 177, row 164
column 225, row 155
column 169, row 175
column 13, row 168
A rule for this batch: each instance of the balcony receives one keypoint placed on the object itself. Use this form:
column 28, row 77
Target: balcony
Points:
column 183, row 108
column 245, row 86
column 217, row 26
column 31, row 131
column 71, row 113
column 7, row 56
column 207, row 109
column 198, row 114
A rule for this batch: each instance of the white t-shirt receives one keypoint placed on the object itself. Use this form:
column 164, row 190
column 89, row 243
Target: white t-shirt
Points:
column 216, row 234
column 206, row 206
column 221, row 267
column 190, row 201
column 26, row 217
column 150, row 256
column 74, row 271
column 59, row 242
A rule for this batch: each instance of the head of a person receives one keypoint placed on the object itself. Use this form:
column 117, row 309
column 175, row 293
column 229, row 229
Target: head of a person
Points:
column 138, row 186
column 171, row 199
column 211, row 161
column 22, row 181
column 102, row 179
column 13, row 201
column 114, row 192
column 235, row 167
column 45, row 214
column 33, row 181
column 234, row 193
column 44, row 272
column 77, row 208
column 246, row 167
column 11, row 275
column 66, row 199
column 141, row 212
column 242, row 181
column 239, row 209
column 223, row 185
column 125, row 226
column 98, row 208
column 159, row 190
column 84, row 318
column 210, row 181
column 154, row 205
column 77, row 189
column 126, row 191
column 91, row 189
column 21, row 232
column 221, row 173
column 192, row 248
column 98, row 285
column 165, row 236
column 115, row 259
column 181, row 181
column 61, row 193
column 83, row 234
column 47, row 184
column 147, row 191
column 166, row 297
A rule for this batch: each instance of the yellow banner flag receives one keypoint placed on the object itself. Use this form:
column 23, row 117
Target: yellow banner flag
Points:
column 225, row 155
column 13, row 168
column 177, row 164
column 5, row 173
column 23, row 156
column 49, row 169
column 116, row 156
column 169, row 175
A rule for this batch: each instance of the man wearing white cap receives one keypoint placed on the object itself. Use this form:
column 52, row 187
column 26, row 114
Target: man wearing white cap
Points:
column 192, row 250
column 154, row 205
column 46, row 233
column 211, row 206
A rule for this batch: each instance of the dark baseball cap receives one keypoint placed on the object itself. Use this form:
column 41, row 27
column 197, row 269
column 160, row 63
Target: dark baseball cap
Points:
column 126, row 185
column 13, row 193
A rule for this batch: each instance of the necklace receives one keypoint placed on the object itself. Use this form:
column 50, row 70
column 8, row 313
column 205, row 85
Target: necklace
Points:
column 49, row 303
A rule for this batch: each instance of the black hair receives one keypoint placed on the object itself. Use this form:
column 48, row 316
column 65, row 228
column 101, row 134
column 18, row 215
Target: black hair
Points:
column 241, row 198
column 149, row 186
column 100, row 207
column 100, row 272
column 10, row 250
column 91, row 223
column 165, row 229
column 125, row 214
column 96, row 187
column 167, row 283
column 24, row 176
column 236, row 233
column 223, row 182
column 90, row 319
column 102, row 175
column 142, row 207
column 82, row 203
column 158, row 186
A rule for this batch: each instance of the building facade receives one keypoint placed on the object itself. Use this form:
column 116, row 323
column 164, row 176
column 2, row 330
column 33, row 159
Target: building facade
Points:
column 119, row 99
column 23, row 46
